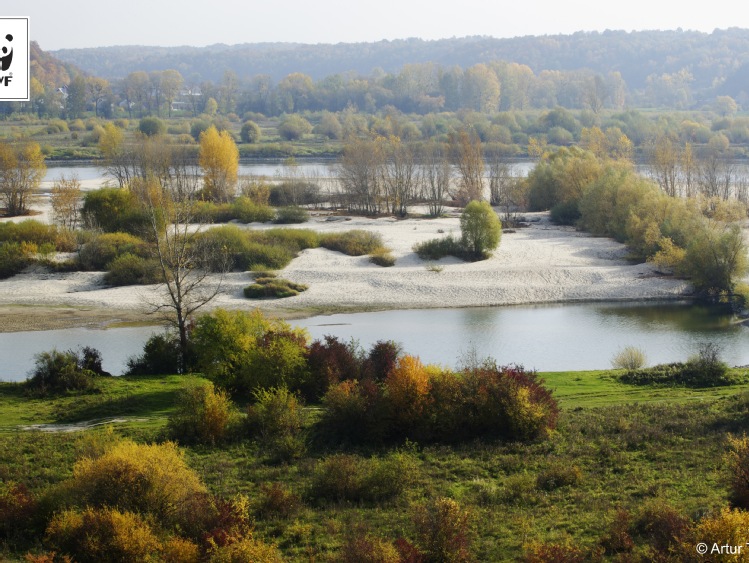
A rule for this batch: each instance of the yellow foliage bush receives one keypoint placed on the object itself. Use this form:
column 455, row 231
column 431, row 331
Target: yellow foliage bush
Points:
column 726, row 528
column 103, row 534
column 141, row 478
column 737, row 460
column 242, row 551
column 407, row 387
column 202, row 415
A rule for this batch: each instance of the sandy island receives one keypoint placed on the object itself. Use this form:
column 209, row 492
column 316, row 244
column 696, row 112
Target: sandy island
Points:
column 542, row 263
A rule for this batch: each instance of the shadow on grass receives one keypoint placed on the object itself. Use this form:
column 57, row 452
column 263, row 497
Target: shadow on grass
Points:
column 90, row 407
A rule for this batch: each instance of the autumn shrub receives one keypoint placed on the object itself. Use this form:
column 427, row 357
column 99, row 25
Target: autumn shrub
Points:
column 737, row 460
column 558, row 552
column 381, row 359
column 179, row 550
column 352, row 243
column 60, row 372
column 276, row 419
column 229, row 522
column 331, row 361
column 102, row 534
column 354, row 412
column 202, row 415
column 501, row 402
column 276, row 501
column 557, row 475
column 443, row 531
column 407, row 395
column 363, row 547
column 98, row 253
column 618, row 536
column 129, row 269
column 662, row 526
column 480, row 230
column 18, row 511
column 727, row 527
column 345, row 477
column 245, row 550
column 147, row 479
column 244, row 351
column 161, row 356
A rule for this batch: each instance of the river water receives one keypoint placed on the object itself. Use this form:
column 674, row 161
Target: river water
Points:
column 559, row 337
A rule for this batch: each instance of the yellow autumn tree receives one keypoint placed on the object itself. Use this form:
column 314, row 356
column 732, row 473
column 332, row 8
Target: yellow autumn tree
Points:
column 21, row 171
column 219, row 159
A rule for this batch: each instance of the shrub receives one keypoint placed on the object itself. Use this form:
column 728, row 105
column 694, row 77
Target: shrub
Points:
column 354, row 412
column 129, row 269
column 113, row 210
column 382, row 358
column 294, row 127
column 289, row 215
column 250, row 132
column 18, row 508
column 331, row 361
column 142, row 478
column 352, row 243
column 202, row 415
column 247, row 211
column 558, row 475
column 382, row 257
column 161, row 356
column 727, row 527
column 13, row 259
column 407, row 389
column 561, row 552
column 276, row 418
column 99, row 252
column 273, row 287
column 60, row 372
column 480, row 229
column 102, row 534
column 362, row 547
column 345, row 477
column 629, row 358
column 244, row 550
column 437, row 248
column 244, row 351
column 443, row 531
column 662, row 526
column 28, row 230
column 151, row 126
column 703, row 370
column 277, row 501
column 737, row 460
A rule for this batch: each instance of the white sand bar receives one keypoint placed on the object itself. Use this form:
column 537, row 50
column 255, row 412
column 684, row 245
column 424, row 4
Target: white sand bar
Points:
column 542, row 263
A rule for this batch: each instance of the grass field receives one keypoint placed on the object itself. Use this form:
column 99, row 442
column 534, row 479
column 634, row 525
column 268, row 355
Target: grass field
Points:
column 626, row 446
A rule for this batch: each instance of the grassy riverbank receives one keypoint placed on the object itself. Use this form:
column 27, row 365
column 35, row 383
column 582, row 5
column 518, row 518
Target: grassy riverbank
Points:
column 617, row 447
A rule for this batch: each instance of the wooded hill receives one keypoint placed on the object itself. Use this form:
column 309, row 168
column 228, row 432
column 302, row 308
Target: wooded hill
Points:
column 716, row 62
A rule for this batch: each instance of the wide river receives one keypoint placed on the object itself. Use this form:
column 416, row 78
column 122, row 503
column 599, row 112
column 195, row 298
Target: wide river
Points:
column 545, row 337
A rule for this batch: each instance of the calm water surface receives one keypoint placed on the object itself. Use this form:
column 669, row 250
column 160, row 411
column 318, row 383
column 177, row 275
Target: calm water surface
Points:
column 545, row 337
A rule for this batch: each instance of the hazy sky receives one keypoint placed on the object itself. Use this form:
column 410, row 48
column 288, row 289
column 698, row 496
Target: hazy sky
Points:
column 57, row 24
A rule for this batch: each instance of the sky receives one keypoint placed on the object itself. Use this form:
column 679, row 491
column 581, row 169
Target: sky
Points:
column 59, row 24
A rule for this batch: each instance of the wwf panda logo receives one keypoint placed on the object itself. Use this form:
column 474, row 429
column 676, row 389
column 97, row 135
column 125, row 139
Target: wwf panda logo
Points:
column 7, row 54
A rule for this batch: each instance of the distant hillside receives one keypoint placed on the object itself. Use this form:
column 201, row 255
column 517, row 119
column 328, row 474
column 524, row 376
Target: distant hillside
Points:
column 710, row 58
column 49, row 70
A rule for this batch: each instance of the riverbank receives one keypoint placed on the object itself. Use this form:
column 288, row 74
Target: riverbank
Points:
column 543, row 263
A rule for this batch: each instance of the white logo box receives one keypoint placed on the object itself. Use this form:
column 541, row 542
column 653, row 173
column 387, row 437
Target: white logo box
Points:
column 14, row 59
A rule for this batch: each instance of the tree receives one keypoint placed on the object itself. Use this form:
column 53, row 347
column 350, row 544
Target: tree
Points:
column 469, row 160
column 75, row 103
column 480, row 229
column 21, row 171
column 171, row 83
column 360, row 175
column 151, row 126
column 219, row 158
column 717, row 258
column 185, row 258
column 98, row 90
column 400, row 176
column 436, row 177
column 66, row 202
column 664, row 164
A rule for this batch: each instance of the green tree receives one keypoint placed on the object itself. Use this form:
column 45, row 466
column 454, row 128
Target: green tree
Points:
column 716, row 258
column 151, row 126
column 75, row 103
column 480, row 229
